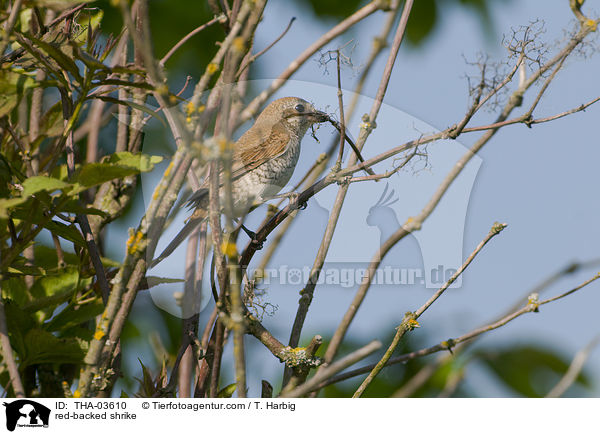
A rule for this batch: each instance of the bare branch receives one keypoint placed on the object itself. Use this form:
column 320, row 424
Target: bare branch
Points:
column 253, row 58
column 335, row 31
column 7, row 352
column 307, row 292
column 531, row 306
column 574, row 369
column 334, row 368
column 10, row 24
column 528, row 121
column 342, row 124
column 177, row 46
column 410, row 319
column 415, row 223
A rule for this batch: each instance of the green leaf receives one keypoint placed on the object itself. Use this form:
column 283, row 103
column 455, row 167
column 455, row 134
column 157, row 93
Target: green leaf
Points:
column 91, row 62
column 24, row 270
column 147, row 388
column 74, row 206
column 63, row 60
column 25, row 20
column 14, row 288
column 152, row 281
column 61, row 4
column 18, row 322
column 70, row 233
column 12, row 87
column 49, row 292
column 530, row 371
column 61, row 172
column 47, row 305
column 46, row 257
column 98, row 173
column 63, row 283
column 423, row 17
column 37, row 57
column 87, row 19
column 116, row 82
column 73, row 316
column 118, row 165
column 132, row 105
column 227, row 391
column 81, row 333
column 335, row 8
column 36, row 184
column 43, row 347
column 143, row 162
column 128, row 70
column 7, row 204
column 52, row 122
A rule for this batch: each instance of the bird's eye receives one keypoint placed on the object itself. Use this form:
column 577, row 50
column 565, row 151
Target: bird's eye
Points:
column 299, row 108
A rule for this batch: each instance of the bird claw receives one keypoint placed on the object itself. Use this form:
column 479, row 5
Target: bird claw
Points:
column 295, row 203
column 258, row 245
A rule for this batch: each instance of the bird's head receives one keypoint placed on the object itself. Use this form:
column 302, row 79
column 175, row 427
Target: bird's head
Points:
column 295, row 113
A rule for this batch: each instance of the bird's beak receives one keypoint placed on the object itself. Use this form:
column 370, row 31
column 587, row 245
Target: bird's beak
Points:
column 318, row 116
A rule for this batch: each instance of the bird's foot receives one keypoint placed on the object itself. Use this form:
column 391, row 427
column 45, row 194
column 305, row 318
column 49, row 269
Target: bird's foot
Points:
column 253, row 237
column 294, row 199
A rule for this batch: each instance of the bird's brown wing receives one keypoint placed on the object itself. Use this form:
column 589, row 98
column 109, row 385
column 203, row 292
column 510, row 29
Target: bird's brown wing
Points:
column 257, row 146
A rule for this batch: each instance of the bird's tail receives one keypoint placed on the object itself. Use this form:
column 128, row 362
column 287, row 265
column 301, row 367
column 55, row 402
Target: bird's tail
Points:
column 185, row 232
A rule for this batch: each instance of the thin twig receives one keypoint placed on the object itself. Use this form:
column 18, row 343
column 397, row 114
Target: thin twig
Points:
column 10, row 24
column 60, row 256
column 415, row 223
column 333, row 369
column 203, row 369
column 378, row 46
column 367, row 127
column 7, row 352
column 253, row 58
column 66, row 14
column 518, row 64
column 213, row 65
column 189, row 310
column 574, row 369
column 410, row 319
column 218, row 18
column 334, row 32
column 528, row 121
column 69, row 120
column 345, row 137
column 129, row 276
column 215, row 368
column 531, row 306
column 389, row 66
column 340, row 96
column 26, row 156
column 388, row 173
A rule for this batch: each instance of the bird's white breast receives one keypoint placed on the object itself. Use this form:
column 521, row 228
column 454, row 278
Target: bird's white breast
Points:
column 266, row 180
